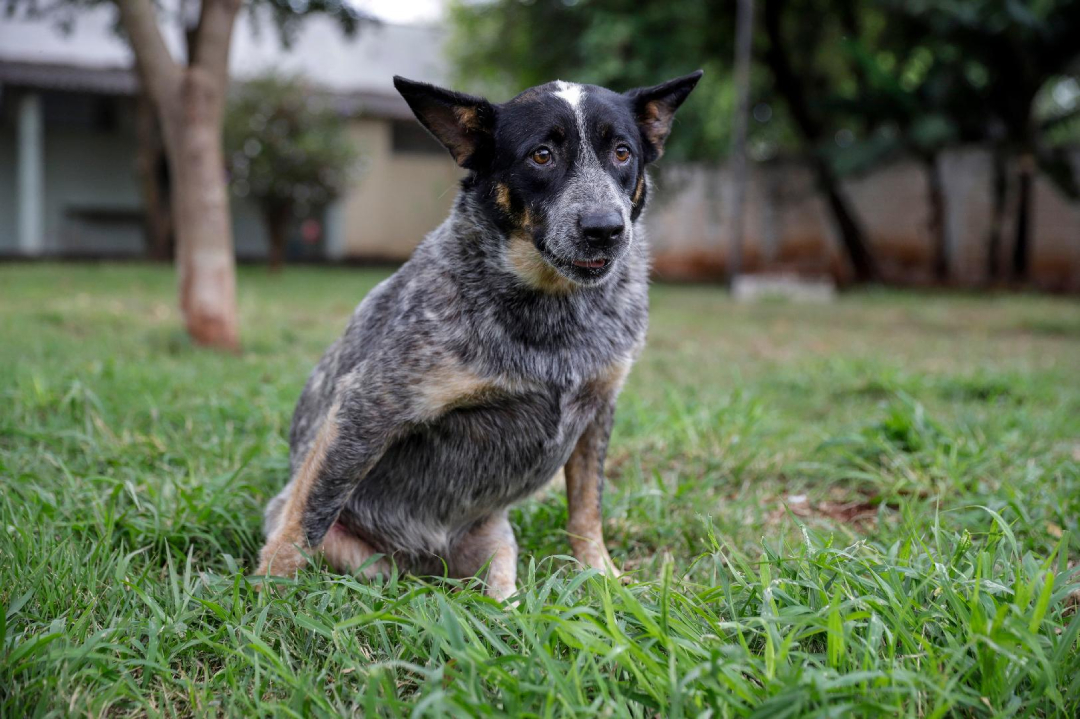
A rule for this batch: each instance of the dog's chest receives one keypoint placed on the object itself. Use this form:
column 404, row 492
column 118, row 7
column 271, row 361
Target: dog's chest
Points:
column 476, row 459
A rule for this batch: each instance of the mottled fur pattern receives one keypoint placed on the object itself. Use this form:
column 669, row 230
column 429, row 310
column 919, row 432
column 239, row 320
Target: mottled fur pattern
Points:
column 493, row 358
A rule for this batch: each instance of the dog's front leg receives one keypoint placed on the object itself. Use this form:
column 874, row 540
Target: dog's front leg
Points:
column 375, row 404
column 584, row 489
column 349, row 443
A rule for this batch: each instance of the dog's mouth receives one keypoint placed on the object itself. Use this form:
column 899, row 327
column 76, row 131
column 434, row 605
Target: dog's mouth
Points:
column 590, row 264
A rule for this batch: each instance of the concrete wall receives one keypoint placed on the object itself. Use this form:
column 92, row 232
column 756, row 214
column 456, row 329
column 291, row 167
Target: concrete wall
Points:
column 788, row 226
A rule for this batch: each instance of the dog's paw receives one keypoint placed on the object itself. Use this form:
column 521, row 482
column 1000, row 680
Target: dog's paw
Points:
column 279, row 559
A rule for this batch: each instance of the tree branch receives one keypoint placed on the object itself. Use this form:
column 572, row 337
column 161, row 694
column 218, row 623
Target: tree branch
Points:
column 214, row 36
column 157, row 70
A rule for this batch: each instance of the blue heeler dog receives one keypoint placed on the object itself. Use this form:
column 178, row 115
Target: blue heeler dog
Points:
column 493, row 358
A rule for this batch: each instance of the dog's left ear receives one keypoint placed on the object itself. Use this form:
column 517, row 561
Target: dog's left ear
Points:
column 655, row 108
column 462, row 123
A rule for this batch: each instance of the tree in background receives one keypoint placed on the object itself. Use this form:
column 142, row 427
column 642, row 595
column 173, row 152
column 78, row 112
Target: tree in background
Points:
column 850, row 83
column 926, row 80
column 502, row 47
column 287, row 150
column 1003, row 55
column 622, row 43
column 188, row 97
column 799, row 39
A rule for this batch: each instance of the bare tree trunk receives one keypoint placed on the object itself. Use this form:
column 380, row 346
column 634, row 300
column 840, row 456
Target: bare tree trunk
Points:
column 190, row 104
column 151, row 158
column 1021, row 259
column 200, row 196
column 276, row 218
column 997, row 218
column 791, row 88
column 743, row 45
column 935, row 191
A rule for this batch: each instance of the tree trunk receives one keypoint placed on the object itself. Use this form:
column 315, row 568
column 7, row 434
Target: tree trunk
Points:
column 791, row 88
column 997, row 218
column 743, row 47
column 151, row 166
column 935, row 192
column 276, row 218
column 1025, row 173
column 206, row 260
column 190, row 104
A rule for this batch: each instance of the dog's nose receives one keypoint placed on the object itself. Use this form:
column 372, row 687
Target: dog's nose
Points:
column 601, row 229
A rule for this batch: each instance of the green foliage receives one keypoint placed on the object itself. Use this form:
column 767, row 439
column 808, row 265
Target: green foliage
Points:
column 285, row 144
column 882, row 77
column 870, row 511
column 502, row 47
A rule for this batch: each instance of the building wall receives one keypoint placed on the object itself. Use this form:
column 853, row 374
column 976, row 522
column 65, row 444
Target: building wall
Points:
column 399, row 197
column 93, row 204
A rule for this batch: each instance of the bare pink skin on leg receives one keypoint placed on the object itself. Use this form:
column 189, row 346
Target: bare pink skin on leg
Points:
column 347, row 553
column 489, row 544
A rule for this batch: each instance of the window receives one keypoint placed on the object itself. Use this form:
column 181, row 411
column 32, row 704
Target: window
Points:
column 408, row 137
column 79, row 110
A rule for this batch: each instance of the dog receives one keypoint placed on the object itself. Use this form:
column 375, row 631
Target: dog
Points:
column 493, row 358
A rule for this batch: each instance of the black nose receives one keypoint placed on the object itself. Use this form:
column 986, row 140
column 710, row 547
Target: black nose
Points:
column 601, row 229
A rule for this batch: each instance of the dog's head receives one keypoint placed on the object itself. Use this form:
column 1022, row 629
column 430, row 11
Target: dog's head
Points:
column 560, row 169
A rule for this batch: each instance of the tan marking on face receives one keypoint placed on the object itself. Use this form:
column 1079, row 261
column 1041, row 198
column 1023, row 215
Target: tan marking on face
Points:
column 639, row 190
column 656, row 123
column 467, row 117
column 525, row 261
column 502, row 197
column 281, row 556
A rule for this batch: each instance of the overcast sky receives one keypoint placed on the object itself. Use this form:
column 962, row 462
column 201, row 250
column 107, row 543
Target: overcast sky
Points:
column 403, row 11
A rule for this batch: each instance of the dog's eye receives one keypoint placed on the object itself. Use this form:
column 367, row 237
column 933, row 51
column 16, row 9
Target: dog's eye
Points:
column 622, row 153
column 541, row 156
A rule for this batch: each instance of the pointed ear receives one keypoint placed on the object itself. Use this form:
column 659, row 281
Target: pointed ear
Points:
column 462, row 123
column 655, row 108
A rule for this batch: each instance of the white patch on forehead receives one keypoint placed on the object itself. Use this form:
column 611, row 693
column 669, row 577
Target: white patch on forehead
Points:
column 570, row 92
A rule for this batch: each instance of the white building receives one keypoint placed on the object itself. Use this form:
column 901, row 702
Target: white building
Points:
column 69, row 185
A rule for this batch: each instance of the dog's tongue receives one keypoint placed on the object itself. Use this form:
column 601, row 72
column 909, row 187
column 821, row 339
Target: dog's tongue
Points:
column 590, row 264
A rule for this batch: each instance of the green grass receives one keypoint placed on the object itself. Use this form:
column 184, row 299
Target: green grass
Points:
column 868, row 508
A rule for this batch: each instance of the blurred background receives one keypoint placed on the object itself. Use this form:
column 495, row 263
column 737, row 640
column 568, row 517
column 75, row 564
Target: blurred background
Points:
column 932, row 142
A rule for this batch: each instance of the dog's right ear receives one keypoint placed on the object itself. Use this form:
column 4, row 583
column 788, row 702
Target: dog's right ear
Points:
column 462, row 123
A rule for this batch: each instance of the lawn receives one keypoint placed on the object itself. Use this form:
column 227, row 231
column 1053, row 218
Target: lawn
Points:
column 867, row 508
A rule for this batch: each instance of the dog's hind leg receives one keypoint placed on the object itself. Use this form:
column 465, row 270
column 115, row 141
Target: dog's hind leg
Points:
column 490, row 543
column 374, row 405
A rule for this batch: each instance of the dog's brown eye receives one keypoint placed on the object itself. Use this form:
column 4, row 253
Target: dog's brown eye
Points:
column 622, row 153
column 541, row 156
